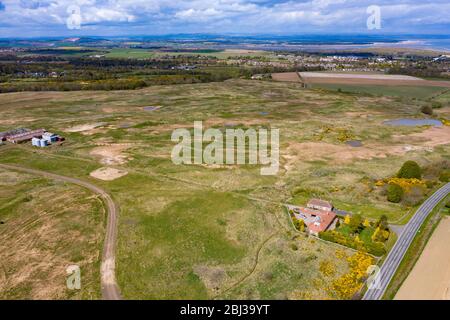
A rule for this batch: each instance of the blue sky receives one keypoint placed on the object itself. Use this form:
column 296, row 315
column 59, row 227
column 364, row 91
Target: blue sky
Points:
column 30, row 18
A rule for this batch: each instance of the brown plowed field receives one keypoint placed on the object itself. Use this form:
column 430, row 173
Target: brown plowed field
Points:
column 286, row 77
column 430, row 278
column 359, row 79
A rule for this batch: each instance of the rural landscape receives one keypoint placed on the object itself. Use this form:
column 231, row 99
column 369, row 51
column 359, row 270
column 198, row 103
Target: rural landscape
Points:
column 88, row 182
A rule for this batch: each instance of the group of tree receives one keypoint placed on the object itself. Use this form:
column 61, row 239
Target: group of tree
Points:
column 409, row 170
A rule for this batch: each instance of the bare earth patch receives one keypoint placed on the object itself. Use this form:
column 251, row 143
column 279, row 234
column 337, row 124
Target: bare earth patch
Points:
column 373, row 76
column 286, row 76
column 108, row 174
column 111, row 154
column 85, row 127
column 310, row 151
column 430, row 277
column 433, row 137
column 369, row 79
column 212, row 277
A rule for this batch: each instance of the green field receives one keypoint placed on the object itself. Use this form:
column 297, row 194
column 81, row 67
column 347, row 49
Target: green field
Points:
column 199, row 232
column 126, row 53
column 418, row 92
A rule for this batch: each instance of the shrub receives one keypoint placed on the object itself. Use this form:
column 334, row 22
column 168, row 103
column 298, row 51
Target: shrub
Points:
column 410, row 170
column 430, row 184
column 355, row 222
column 394, row 193
column 436, row 105
column 299, row 225
column 376, row 248
column 347, row 286
column 382, row 222
column 414, row 195
column 427, row 110
column 445, row 176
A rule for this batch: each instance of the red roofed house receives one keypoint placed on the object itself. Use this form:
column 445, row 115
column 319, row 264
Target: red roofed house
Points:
column 316, row 220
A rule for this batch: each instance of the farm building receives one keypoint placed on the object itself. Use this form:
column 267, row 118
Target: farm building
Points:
column 6, row 134
column 50, row 137
column 25, row 136
column 38, row 138
column 318, row 204
column 38, row 142
column 315, row 220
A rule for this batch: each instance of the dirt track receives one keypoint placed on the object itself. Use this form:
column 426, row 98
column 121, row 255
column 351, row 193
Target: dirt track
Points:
column 430, row 277
column 110, row 289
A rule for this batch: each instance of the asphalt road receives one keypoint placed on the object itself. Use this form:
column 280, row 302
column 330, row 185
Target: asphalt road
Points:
column 110, row 289
column 397, row 253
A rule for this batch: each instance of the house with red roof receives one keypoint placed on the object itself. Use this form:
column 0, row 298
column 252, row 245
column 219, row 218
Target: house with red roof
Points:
column 315, row 220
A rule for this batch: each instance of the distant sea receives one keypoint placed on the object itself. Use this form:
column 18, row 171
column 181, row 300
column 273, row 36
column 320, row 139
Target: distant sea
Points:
column 268, row 42
column 313, row 41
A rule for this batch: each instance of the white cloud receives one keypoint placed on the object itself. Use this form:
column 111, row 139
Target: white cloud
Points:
column 199, row 15
column 226, row 15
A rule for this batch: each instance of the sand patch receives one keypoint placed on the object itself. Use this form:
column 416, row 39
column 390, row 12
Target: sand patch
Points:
column 108, row 174
column 430, row 277
column 432, row 137
column 85, row 127
column 111, row 154
column 110, row 110
column 15, row 121
column 310, row 151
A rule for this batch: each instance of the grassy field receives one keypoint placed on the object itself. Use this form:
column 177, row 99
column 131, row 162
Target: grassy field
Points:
column 45, row 227
column 220, row 231
column 126, row 53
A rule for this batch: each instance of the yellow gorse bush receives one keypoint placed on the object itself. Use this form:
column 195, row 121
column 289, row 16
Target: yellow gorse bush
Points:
column 346, row 286
column 407, row 184
column 327, row 268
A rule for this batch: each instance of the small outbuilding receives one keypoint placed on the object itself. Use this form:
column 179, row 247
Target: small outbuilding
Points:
column 318, row 204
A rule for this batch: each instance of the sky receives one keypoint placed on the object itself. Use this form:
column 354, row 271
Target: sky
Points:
column 44, row 18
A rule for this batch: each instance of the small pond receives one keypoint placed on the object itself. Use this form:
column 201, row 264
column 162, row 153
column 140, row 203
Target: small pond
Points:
column 413, row 122
column 152, row 108
column 354, row 143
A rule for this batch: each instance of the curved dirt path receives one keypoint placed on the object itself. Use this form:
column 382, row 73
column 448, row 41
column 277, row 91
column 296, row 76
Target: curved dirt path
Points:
column 110, row 289
column 252, row 270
